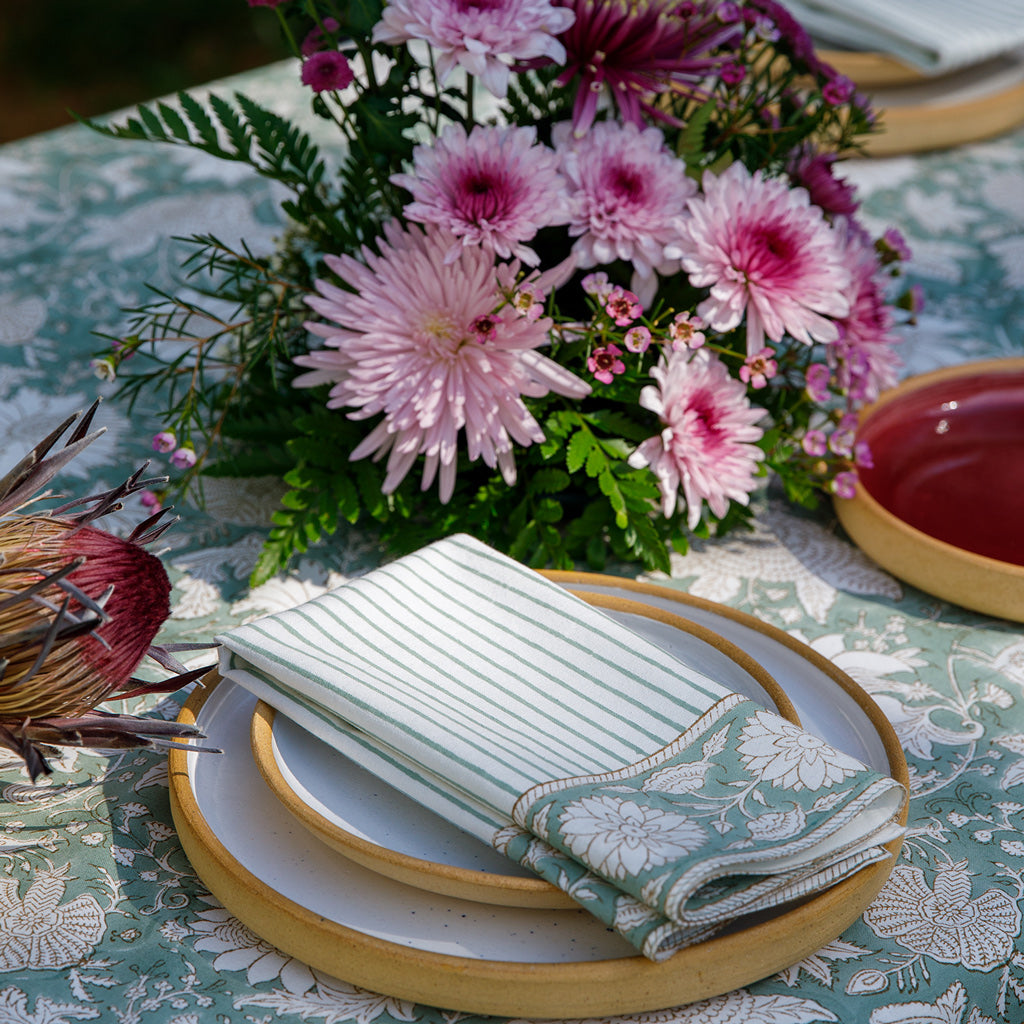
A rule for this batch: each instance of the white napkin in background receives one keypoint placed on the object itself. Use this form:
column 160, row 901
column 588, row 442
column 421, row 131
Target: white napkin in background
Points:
column 475, row 686
column 935, row 36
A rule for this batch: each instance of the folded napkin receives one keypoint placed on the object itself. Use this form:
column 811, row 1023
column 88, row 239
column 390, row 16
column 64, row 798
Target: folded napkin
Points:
column 663, row 803
column 934, row 35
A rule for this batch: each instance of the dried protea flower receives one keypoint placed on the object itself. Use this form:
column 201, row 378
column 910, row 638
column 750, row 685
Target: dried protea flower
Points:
column 79, row 610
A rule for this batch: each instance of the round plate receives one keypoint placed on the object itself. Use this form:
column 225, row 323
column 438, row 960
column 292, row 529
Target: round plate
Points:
column 943, row 505
column 384, row 830
column 871, row 70
column 319, row 906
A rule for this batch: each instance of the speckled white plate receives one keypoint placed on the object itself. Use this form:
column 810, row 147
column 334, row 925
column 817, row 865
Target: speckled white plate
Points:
column 317, row 905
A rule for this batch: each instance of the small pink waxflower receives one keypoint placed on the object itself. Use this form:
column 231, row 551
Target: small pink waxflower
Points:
column 708, row 445
column 685, row 331
column 893, row 246
column 622, row 306
column 598, row 285
column 485, row 38
column 841, row 441
column 818, row 378
column 164, row 442
column 528, row 302
column 767, row 254
column 814, row 443
column 404, row 344
column 150, row 500
column 862, row 455
column 605, row 364
column 838, row 91
column 626, row 191
column 637, row 339
column 328, row 71
column 758, row 369
column 845, row 484
column 183, row 458
column 315, row 39
column 494, row 188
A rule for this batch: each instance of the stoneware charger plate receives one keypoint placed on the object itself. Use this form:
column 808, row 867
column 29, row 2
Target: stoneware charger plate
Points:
column 943, row 505
column 919, row 112
column 315, row 904
column 380, row 828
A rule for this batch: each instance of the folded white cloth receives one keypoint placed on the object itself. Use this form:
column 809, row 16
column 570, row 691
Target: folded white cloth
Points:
column 663, row 803
column 935, row 36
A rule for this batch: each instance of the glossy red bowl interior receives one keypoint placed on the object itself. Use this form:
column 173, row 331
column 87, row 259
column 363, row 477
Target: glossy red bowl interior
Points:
column 949, row 461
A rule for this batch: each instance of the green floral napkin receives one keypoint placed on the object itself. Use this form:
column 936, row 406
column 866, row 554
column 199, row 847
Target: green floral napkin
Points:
column 660, row 801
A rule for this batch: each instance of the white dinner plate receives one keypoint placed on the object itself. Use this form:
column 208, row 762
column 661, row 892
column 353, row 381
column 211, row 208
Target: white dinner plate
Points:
column 313, row 903
column 382, row 829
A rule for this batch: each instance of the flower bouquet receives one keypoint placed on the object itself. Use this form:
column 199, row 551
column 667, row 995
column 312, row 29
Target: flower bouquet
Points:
column 582, row 276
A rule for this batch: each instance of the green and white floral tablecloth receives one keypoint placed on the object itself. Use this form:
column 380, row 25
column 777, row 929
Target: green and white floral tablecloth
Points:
column 101, row 916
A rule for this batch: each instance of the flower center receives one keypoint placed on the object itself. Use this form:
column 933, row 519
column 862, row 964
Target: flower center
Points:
column 626, row 184
column 483, row 195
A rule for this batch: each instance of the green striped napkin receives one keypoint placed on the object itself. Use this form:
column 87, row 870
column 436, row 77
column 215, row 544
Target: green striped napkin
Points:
column 542, row 726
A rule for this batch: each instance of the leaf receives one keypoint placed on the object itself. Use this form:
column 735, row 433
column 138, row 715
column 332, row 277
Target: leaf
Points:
column 578, row 449
column 715, row 744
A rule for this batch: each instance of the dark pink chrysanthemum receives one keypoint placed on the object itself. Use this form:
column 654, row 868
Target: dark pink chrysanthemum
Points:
column 626, row 191
column 483, row 36
column 634, row 50
column 422, row 343
column 864, row 357
column 815, row 172
column 708, row 447
column 495, row 188
column 327, row 71
column 767, row 254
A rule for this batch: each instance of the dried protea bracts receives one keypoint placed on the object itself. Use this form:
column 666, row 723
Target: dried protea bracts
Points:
column 79, row 610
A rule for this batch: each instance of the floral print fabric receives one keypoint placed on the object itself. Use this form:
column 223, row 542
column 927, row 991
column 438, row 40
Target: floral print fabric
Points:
column 744, row 811
column 86, row 223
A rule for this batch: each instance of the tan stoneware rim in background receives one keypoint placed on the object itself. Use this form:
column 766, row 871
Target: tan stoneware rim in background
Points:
column 541, row 990
column 465, row 883
column 961, row 577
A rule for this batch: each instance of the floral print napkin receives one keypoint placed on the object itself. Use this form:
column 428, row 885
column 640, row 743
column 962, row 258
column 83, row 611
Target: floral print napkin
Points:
column 660, row 801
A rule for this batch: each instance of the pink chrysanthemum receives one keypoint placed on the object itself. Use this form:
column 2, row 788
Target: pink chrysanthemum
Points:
column 637, row 50
column 708, row 446
column 626, row 191
column 494, row 188
column 418, row 341
column 483, row 36
column 864, row 357
column 815, row 172
column 327, row 71
column 766, row 253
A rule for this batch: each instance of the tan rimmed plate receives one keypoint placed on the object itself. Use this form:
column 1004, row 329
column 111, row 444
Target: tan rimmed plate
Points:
column 871, row 70
column 943, row 504
column 382, row 829
column 319, row 906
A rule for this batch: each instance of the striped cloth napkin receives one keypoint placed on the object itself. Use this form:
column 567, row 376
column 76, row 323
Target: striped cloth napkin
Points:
column 934, row 35
column 661, row 802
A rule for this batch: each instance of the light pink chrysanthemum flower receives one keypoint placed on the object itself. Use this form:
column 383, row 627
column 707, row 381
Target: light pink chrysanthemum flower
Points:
column 766, row 253
column 626, row 192
column 484, row 37
column 418, row 342
column 494, row 187
column 864, row 356
column 708, row 446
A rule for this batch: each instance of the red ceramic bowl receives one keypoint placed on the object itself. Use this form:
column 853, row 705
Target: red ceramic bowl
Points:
column 943, row 505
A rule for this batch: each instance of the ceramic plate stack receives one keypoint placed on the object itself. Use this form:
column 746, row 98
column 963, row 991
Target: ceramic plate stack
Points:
column 336, row 868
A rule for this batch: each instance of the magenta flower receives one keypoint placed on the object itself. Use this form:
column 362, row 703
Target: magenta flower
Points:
column 685, row 331
column 315, row 39
column 622, row 306
column 626, row 191
column 814, row 443
column 183, row 458
column 845, row 484
column 484, row 37
column 864, row 356
column 758, row 369
column 637, row 339
column 328, row 71
column 815, row 172
column 819, row 376
column 766, row 253
column 605, row 364
column 635, row 51
column 494, row 188
column 164, row 442
column 407, row 343
column 707, row 447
